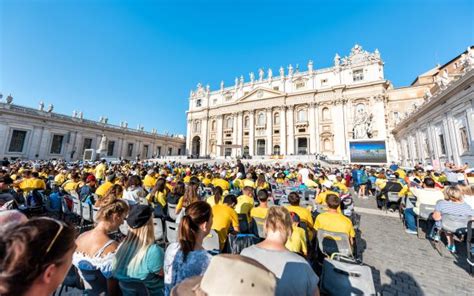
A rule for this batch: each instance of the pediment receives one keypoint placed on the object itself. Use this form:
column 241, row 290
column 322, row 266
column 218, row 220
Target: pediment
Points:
column 261, row 93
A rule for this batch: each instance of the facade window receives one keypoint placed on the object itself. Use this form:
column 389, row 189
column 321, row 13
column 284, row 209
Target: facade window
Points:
column 246, row 150
column 228, row 97
column 158, row 150
column 325, row 113
column 17, row 141
column 442, row 144
column 170, row 151
column 276, row 88
column 302, row 115
column 261, row 119
column 358, row 75
column 300, row 85
column 246, row 122
column 214, row 101
column 464, row 139
column 276, row 119
column 110, row 148
column 145, row 151
column 246, row 133
column 57, row 144
column 197, row 126
column 130, row 149
column 179, row 151
column 327, row 145
column 276, row 150
column 213, row 126
column 228, row 122
column 198, row 103
column 324, row 82
column 87, row 144
column 277, row 132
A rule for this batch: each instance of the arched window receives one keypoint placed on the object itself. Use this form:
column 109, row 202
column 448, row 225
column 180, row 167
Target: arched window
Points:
column 276, row 118
column 302, row 115
column 246, row 122
column 213, row 125
column 325, row 112
column 197, row 126
column 228, row 122
column 276, row 150
column 327, row 145
column 261, row 119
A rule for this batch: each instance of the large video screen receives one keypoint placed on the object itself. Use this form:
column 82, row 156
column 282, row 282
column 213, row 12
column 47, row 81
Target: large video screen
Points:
column 368, row 152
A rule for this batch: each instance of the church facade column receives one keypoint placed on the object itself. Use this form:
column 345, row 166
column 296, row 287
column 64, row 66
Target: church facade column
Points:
column 188, row 138
column 235, row 132
column 219, row 135
column 269, row 131
column 291, row 130
column 240, row 132
column 251, row 132
column 283, row 130
column 204, row 136
column 312, row 128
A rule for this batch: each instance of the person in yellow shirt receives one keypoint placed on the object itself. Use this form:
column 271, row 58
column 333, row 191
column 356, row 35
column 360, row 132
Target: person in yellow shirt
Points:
column 100, row 170
column 262, row 183
column 102, row 189
column 70, row 186
column 340, row 184
column 245, row 202
column 238, row 182
column 217, row 198
column 297, row 241
column 149, row 180
column 159, row 193
column 261, row 211
column 280, row 178
column 190, row 195
column 309, row 182
column 60, row 178
column 321, row 198
column 249, row 181
column 224, row 216
column 303, row 213
column 334, row 221
column 207, row 180
column 35, row 182
column 218, row 181
column 401, row 173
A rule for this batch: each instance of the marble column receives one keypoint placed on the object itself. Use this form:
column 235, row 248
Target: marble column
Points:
column 234, row 133
column 219, row 148
column 188, row 138
column 283, row 130
column 240, row 132
column 312, row 128
column 204, row 136
column 251, row 132
column 291, row 130
column 269, row 131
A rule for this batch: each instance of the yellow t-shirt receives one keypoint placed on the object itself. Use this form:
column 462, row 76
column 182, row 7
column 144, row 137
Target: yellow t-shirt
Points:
column 297, row 241
column 210, row 200
column 259, row 212
column 250, row 183
column 334, row 222
column 59, row 179
column 310, row 183
column 70, row 186
column 244, row 206
column 179, row 206
column 303, row 213
column 341, row 187
column 187, row 179
column 206, row 182
column 401, row 173
column 102, row 190
column 100, row 171
column 223, row 217
column 221, row 183
column 238, row 183
column 321, row 199
column 32, row 184
column 160, row 197
column 149, row 181
column 265, row 186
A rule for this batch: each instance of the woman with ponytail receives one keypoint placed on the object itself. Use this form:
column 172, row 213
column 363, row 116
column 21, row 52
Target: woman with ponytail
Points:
column 188, row 258
column 217, row 198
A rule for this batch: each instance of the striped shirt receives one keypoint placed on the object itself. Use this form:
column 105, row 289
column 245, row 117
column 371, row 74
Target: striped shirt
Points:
column 452, row 208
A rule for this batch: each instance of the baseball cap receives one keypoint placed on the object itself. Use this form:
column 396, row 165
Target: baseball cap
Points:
column 139, row 216
column 90, row 178
column 327, row 184
column 241, row 275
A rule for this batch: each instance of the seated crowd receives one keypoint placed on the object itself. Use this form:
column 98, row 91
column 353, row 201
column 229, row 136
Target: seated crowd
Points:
column 232, row 201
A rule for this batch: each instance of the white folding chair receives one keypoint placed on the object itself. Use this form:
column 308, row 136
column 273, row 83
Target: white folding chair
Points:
column 171, row 232
column 124, row 228
column 158, row 229
column 423, row 215
column 87, row 212
column 211, row 242
column 258, row 223
column 172, row 212
column 330, row 242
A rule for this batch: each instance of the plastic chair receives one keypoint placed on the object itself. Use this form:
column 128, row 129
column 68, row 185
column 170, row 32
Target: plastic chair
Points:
column 334, row 242
column 172, row 212
column 454, row 224
column 171, row 232
column 87, row 214
column 258, row 226
column 133, row 288
column 76, row 206
column 425, row 212
column 211, row 242
column 158, row 229
column 124, row 228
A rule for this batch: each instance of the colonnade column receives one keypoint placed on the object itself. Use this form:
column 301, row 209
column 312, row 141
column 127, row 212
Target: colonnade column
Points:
column 269, row 130
column 312, row 129
column 204, row 137
column 219, row 136
column 235, row 132
column 291, row 130
column 283, row 130
column 188, row 138
column 239, row 132
column 251, row 132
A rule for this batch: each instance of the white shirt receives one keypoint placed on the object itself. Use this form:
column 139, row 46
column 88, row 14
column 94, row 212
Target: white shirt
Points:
column 304, row 172
column 426, row 196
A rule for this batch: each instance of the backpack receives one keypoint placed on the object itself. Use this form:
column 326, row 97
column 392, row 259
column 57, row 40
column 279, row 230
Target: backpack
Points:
column 34, row 199
column 236, row 243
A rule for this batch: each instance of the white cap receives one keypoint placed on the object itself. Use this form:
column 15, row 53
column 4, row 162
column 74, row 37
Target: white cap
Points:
column 327, row 184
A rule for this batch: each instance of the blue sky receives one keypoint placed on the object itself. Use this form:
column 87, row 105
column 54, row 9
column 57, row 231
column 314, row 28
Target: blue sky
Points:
column 138, row 60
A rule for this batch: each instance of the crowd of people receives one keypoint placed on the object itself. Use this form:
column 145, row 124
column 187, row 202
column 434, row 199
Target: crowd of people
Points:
column 233, row 200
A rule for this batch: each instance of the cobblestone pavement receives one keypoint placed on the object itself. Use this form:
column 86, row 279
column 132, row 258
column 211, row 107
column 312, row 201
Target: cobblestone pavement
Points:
column 402, row 264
